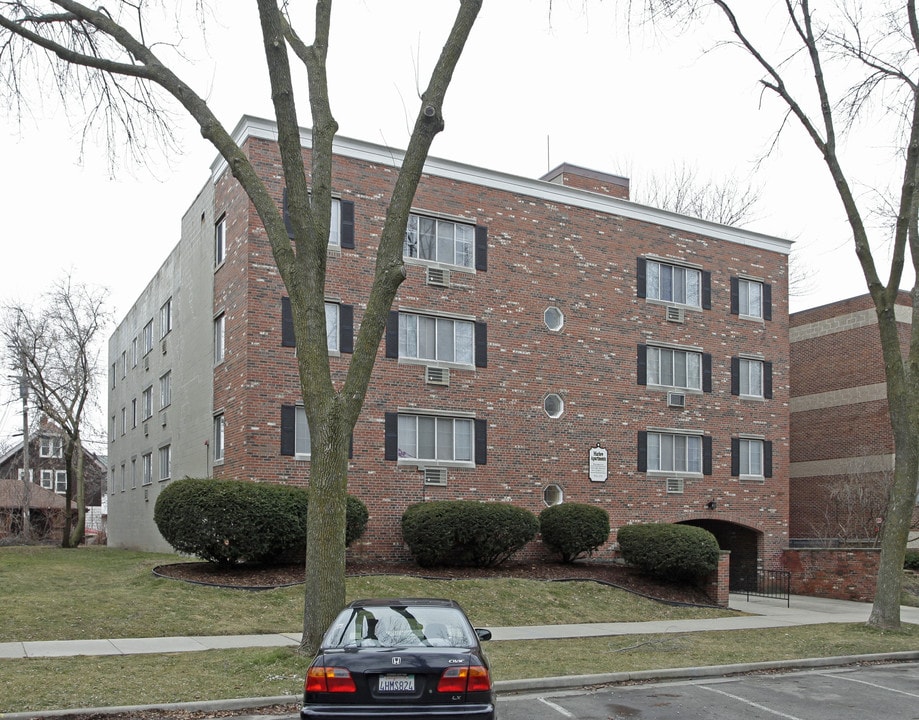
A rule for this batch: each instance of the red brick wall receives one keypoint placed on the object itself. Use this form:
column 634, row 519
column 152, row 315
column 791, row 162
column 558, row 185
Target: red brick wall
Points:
column 540, row 254
column 836, row 362
column 718, row 585
column 840, row 574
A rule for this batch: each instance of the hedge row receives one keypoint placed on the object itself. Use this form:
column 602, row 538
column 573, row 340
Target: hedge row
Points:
column 682, row 553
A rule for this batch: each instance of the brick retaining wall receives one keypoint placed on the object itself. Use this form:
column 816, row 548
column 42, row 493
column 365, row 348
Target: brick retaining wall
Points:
column 843, row 574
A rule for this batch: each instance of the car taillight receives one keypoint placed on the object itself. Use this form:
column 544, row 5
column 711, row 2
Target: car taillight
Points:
column 464, row 679
column 329, row 679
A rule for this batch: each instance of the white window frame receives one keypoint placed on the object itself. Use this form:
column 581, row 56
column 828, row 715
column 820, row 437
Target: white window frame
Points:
column 461, row 250
column 335, row 224
column 50, row 446
column 664, row 449
column 148, row 338
column 302, row 441
column 553, row 405
column 453, row 339
column 166, row 318
column 673, row 283
column 332, row 325
column 147, row 403
column 220, row 241
column 147, row 476
column 166, row 389
column 60, row 482
column 134, row 352
column 751, row 371
column 553, row 494
column 750, row 462
column 220, row 427
column 657, row 367
column 554, row 318
column 748, row 305
column 124, row 420
column 124, row 364
column 47, row 479
column 133, row 473
column 165, row 458
column 450, row 441
column 220, row 329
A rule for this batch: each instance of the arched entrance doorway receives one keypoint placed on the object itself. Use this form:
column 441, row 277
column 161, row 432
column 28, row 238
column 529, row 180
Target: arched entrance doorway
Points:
column 744, row 545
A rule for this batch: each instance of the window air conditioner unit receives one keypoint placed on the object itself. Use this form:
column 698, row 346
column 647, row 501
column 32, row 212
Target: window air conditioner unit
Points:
column 437, row 376
column 675, row 314
column 164, row 346
column 146, row 429
column 435, row 476
column 675, row 486
column 438, row 276
column 676, row 400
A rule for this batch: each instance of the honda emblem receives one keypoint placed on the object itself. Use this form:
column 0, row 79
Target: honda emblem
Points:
column 396, row 660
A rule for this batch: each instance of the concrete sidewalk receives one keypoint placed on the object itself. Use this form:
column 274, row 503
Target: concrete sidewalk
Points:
column 758, row 613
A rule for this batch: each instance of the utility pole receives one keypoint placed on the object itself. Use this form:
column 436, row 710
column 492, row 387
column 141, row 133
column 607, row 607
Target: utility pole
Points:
column 26, row 480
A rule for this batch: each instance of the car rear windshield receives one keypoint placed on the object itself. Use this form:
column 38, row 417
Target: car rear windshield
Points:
column 399, row 626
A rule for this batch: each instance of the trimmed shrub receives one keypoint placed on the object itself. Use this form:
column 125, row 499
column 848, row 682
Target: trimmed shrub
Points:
column 671, row 552
column 911, row 561
column 466, row 532
column 233, row 521
column 574, row 529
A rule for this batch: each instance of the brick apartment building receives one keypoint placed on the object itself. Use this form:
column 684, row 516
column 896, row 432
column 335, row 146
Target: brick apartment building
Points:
column 842, row 452
column 553, row 342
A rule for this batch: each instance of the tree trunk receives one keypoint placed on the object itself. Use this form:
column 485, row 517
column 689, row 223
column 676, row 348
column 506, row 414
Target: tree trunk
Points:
column 325, row 528
column 75, row 471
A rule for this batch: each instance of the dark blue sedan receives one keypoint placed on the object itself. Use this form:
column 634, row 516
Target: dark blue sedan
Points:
column 400, row 658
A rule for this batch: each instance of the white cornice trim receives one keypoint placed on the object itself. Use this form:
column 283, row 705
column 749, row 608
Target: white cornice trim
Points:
column 254, row 127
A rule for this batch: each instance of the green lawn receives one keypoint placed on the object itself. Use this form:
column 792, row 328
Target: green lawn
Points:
column 50, row 593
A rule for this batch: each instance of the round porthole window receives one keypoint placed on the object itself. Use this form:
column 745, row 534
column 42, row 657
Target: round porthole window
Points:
column 553, row 405
column 554, row 318
column 553, row 495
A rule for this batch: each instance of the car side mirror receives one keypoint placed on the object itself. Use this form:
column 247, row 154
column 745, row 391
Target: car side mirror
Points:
column 483, row 634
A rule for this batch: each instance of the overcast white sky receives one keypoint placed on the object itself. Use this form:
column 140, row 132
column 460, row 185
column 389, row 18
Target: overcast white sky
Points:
column 533, row 90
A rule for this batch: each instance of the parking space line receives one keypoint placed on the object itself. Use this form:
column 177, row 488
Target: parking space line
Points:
column 555, row 707
column 875, row 685
column 747, row 702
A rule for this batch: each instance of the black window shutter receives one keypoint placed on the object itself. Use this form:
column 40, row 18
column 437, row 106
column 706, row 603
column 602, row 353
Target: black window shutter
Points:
column 642, row 451
column 481, row 442
column 391, row 436
column 641, row 278
column 346, row 236
column 392, row 334
column 767, row 458
column 706, row 454
column 287, row 324
column 735, row 296
column 288, row 428
column 735, row 376
column 706, row 372
column 346, row 328
column 735, row 457
column 767, row 302
column 286, row 212
column 706, row 290
column 767, row 380
column 481, row 344
column 642, row 364
column 481, row 248
column 351, row 447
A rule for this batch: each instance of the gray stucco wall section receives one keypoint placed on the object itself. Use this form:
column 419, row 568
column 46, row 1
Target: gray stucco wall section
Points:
column 186, row 353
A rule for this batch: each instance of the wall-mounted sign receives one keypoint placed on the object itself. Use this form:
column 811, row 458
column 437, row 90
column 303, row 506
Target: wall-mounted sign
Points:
column 598, row 465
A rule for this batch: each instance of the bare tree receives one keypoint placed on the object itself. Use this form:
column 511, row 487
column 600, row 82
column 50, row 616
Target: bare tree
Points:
column 855, row 57
column 113, row 55
column 728, row 201
column 56, row 347
column 851, row 511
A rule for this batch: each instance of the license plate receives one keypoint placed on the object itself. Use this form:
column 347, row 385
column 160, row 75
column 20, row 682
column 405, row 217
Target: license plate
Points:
column 396, row 683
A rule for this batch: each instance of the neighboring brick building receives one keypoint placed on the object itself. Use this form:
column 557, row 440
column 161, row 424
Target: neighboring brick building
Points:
column 842, row 449
column 566, row 319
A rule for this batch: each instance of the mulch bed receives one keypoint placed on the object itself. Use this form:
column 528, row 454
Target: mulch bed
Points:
column 261, row 577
